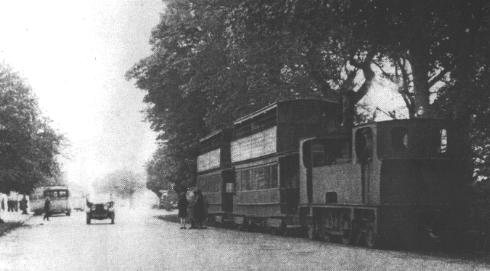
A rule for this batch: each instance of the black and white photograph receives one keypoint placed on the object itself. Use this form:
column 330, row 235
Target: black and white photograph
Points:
column 244, row 135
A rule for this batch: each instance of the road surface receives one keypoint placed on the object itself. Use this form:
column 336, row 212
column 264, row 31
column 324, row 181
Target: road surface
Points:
column 140, row 241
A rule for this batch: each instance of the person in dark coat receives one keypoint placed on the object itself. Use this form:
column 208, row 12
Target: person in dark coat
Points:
column 47, row 209
column 182, row 206
column 23, row 205
column 199, row 210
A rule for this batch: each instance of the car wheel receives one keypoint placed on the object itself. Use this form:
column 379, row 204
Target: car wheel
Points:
column 112, row 219
column 88, row 220
column 68, row 214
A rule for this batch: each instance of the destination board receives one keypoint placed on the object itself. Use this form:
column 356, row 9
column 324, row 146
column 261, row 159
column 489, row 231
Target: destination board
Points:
column 209, row 160
column 256, row 145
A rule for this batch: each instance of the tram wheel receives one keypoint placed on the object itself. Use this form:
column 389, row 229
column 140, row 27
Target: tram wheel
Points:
column 310, row 232
column 327, row 238
column 285, row 231
column 370, row 239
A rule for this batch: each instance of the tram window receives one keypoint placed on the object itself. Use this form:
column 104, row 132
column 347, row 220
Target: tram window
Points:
column 260, row 179
column 345, row 151
column 399, row 139
column 273, row 176
column 246, row 180
column 238, row 180
column 333, row 151
column 210, row 183
column 229, row 188
column 364, row 144
column 257, row 178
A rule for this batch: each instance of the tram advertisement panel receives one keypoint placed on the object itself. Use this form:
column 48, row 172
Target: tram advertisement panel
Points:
column 209, row 160
column 256, row 145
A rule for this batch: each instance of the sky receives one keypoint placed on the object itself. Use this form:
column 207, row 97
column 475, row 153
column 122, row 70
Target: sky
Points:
column 74, row 55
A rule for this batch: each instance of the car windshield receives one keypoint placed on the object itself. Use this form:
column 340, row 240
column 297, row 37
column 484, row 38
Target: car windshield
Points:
column 100, row 198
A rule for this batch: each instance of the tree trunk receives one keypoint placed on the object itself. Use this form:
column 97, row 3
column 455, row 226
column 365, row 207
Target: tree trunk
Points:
column 348, row 110
column 420, row 82
column 349, row 97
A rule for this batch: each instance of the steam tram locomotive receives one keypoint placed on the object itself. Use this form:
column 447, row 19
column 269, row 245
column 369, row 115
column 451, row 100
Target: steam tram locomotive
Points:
column 291, row 166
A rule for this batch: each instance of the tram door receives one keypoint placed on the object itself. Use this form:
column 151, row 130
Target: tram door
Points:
column 228, row 191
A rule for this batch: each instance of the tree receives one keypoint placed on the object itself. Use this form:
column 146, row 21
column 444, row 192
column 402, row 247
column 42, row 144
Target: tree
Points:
column 215, row 60
column 161, row 172
column 121, row 183
column 28, row 145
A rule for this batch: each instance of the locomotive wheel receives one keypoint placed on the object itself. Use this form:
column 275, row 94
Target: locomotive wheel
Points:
column 324, row 236
column 273, row 231
column 345, row 239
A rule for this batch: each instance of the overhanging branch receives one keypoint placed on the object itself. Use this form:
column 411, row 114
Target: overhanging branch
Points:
column 437, row 77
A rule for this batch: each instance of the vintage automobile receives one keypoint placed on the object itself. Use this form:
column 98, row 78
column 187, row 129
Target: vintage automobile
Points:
column 168, row 200
column 100, row 207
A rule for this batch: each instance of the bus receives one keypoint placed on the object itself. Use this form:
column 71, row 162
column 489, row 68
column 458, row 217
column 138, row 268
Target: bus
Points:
column 59, row 196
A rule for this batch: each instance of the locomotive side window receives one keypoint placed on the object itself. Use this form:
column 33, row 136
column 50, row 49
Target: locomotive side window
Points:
column 399, row 139
column 364, row 144
column 443, row 141
column 438, row 141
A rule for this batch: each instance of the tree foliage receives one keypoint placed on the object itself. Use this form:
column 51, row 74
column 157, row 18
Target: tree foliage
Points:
column 28, row 145
column 162, row 172
column 121, row 183
column 215, row 60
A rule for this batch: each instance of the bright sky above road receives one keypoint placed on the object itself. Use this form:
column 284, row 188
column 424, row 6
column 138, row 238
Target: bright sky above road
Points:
column 74, row 55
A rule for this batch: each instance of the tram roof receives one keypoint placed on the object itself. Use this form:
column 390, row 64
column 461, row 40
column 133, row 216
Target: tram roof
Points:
column 56, row 187
column 404, row 121
column 210, row 135
column 273, row 106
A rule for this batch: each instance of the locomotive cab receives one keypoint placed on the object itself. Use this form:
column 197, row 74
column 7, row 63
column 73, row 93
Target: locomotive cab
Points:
column 419, row 173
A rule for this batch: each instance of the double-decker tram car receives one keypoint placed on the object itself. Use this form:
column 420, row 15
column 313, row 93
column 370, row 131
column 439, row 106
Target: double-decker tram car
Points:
column 393, row 182
column 291, row 166
column 215, row 178
column 265, row 157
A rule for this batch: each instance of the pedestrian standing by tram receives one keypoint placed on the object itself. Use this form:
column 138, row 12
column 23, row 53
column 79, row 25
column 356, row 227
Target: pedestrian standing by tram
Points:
column 47, row 209
column 182, row 206
column 23, row 205
column 199, row 210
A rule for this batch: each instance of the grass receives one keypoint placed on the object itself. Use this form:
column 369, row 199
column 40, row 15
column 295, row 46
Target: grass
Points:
column 8, row 226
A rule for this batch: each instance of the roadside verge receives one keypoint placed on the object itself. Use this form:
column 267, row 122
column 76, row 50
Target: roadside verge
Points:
column 12, row 221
